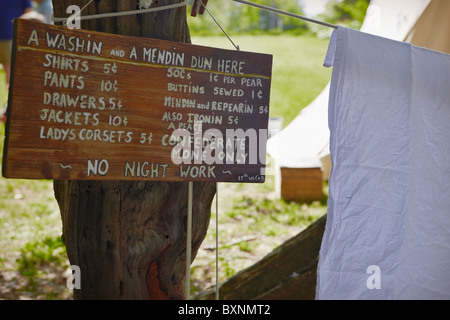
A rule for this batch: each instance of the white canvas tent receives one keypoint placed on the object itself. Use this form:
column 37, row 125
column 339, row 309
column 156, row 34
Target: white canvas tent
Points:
column 304, row 142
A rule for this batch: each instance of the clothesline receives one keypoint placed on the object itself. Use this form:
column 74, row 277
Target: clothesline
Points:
column 289, row 14
column 181, row 4
column 124, row 13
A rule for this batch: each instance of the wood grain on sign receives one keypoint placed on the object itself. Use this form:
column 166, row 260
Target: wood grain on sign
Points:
column 90, row 105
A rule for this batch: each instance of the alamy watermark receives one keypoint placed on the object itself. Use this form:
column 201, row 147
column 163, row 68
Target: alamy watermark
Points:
column 374, row 280
column 237, row 146
column 74, row 279
column 74, row 21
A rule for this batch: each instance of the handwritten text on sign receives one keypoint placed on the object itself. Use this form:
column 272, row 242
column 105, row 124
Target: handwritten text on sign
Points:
column 90, row 105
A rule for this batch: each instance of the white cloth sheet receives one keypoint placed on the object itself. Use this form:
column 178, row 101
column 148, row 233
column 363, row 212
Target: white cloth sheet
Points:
column 387, row 234
column 303, row 142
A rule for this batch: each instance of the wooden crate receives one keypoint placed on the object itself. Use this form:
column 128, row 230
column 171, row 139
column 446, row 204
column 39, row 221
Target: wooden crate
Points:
column 301, row 184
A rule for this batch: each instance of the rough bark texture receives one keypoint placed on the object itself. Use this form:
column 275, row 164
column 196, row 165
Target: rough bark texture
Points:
column 287, row 273
column 129, row 238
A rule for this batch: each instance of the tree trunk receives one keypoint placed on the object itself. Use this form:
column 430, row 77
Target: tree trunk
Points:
column 129, row 238
column 287, row 273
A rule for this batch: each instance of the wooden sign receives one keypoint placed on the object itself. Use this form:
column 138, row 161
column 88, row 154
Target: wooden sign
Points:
column 90, row 105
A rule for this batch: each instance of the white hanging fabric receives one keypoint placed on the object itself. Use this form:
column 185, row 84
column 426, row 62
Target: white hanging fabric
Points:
column 388, row 226
column 304, row 142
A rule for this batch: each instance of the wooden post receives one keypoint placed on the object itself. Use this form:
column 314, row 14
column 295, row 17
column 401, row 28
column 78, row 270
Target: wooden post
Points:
column 129, row 238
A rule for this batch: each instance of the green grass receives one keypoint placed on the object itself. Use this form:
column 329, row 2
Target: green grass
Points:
column 252, row 222
column 32, row 256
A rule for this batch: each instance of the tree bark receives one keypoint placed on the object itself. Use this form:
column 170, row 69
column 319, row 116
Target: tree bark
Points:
column 287, row 273
column 129, row 238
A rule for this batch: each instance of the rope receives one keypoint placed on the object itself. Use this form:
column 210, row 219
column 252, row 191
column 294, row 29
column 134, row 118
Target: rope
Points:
column 292, row 15
column 185, row 2
column 123, row 13
column 218, row 24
